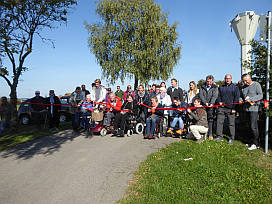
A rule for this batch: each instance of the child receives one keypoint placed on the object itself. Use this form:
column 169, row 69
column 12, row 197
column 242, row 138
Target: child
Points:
column 199, row 117
column 178, row 115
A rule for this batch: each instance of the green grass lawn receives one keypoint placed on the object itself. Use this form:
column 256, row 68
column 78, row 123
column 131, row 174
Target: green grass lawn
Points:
column 218, row 173
column 26, row 133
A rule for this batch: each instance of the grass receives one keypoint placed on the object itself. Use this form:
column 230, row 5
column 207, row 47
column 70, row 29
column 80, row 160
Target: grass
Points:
column 218, row 173
column 26, row 133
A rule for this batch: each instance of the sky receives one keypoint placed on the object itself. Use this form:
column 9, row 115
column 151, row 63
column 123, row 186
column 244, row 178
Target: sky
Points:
column 208, row 47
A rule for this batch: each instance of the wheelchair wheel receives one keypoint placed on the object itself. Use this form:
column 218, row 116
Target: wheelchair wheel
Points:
column 103, row 132
column 139, row 128
column 129, row 133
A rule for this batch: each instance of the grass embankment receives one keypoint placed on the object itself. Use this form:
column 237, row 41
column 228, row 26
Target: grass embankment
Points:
column 218, row 173
column 26, row 133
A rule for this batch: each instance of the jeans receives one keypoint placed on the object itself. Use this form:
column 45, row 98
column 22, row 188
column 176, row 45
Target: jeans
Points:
column 151, row 125
column 4, row 125
column 85, row 123
column 174, row 122
column 221, row 114
column 76, row 120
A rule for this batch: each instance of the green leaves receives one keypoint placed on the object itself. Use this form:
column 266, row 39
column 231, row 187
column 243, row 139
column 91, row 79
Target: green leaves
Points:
column 133, row 39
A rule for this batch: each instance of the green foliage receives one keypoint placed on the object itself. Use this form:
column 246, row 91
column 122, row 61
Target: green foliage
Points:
column 134, row 40
column 218, row 173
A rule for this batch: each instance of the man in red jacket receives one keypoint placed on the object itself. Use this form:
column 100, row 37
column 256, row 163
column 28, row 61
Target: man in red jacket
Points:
column 114, row 105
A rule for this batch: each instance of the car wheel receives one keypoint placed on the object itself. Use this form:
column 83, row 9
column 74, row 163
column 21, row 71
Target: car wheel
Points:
column 63, row 118
column 25, row 120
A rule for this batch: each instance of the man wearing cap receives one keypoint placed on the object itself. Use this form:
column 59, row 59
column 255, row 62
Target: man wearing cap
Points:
column 37, row 105
column 53, row 106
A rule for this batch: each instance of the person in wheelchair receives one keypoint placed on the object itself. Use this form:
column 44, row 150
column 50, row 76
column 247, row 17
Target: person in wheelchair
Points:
column 128, row 108
column 178, row 116
column 86, row 109
column 153, row 117
column 114, row 105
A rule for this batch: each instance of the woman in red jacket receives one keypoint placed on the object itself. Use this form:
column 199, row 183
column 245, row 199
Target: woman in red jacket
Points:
column 114, row 105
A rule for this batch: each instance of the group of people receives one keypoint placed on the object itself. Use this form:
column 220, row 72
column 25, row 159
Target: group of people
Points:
column 205, row 107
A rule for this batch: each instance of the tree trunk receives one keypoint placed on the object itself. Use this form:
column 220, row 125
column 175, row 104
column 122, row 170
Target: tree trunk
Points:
column 136, row 80
column 13, row 101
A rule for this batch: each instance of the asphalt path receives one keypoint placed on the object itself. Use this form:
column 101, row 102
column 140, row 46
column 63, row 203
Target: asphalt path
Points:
column 73, row 168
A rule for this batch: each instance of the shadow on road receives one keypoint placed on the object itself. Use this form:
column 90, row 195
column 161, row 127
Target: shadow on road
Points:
column 43, row 146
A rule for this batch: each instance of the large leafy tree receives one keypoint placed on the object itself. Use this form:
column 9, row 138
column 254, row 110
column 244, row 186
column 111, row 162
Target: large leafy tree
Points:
column 20, row 22
column 134, row 39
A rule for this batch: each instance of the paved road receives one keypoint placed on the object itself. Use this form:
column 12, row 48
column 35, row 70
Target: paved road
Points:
column 68, row 168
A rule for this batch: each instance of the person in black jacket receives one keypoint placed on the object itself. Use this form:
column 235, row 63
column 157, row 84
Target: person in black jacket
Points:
column 153, row 116
column 142, row 96
column 208, row 94
column 129, row 107
column 174, row 91
column 53, row 106
column 38, row 108
column 227, row 94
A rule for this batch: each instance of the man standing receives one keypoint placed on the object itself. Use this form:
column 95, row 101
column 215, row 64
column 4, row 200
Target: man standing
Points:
column 227, row 94
column 5, row 113
column 77, row 98
column 119, row 92
column 98, row 92
column 84, row 91
column 251, row 94
column 37, row 105
column 208, row 94
column 174, row 91
column 53, row 105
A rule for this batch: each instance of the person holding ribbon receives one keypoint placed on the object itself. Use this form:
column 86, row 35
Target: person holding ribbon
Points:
column 251, row 95
column 153, row 116
column 53, row 106
column 129, row 107
column 227, row 94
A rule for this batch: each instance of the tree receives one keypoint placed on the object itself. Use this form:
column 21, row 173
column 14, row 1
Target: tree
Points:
column 20, row 22
column 134, row 39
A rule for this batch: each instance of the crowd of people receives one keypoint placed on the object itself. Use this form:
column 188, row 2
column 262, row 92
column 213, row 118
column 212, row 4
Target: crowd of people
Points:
column 205, row 108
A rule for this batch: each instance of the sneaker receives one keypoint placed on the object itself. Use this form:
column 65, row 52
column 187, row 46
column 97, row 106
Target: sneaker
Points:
column 170, row 131
column 179, row 131
column 200, row 140
column 230, row 141
column 219, row 139
column 210, row 137
column 253, row 147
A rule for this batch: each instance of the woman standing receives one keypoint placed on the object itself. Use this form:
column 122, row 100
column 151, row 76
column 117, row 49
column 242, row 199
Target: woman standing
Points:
column 192, row 93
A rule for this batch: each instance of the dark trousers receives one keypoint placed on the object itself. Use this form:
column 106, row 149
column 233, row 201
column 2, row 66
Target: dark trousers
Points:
column 107, row 118
column 75, row 122
column 54, row 120
column 120, row 120
column 254, row 117
column 38, row 117
column 222, row 113
column 210, row 116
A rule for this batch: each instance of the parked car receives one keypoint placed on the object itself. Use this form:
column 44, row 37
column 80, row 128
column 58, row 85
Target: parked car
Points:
column 25, row 111
column 65, row 114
